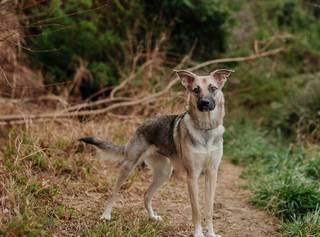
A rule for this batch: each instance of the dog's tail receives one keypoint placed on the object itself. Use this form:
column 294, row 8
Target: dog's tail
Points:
column 104, row 145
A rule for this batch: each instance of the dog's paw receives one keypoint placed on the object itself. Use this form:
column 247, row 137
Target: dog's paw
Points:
column 198, row 232
column 106, row 216
column 156, row 218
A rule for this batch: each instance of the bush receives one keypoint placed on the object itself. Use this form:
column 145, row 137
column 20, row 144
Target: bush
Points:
column 197, row 22
column 108, row 36
column 86, row 35
column 299, row 116
column 262, row 87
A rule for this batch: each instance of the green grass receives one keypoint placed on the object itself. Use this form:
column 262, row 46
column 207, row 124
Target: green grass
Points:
column 286, row 196
column 312, row 168
column 308, row 225
column 24, row 225
column 283, row 177
column 245, row 144
column 65, row 213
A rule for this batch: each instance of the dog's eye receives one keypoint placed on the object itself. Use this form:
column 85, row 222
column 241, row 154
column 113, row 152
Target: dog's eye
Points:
column 212, row 88
column 196, row 90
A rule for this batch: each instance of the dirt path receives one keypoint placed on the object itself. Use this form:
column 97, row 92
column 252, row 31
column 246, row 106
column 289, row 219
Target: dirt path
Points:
column 234, row 216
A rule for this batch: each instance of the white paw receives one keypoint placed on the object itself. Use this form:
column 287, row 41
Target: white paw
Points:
column 106, row 216
column 156, row 218
column 198, row 232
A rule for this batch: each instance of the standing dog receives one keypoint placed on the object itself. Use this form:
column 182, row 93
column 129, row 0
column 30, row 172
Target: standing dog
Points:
column 192, row 141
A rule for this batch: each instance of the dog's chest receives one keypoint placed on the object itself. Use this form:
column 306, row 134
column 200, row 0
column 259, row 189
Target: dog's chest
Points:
column 204, row 144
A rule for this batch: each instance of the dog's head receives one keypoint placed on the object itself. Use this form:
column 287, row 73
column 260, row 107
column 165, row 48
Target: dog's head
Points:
column 204, row 90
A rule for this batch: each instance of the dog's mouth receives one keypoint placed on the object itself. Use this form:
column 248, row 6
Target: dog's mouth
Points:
column 206, row 109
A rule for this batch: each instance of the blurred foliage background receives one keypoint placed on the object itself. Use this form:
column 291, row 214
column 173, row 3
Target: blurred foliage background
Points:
column 82, row 50
column 110, row 36
column 110, row 39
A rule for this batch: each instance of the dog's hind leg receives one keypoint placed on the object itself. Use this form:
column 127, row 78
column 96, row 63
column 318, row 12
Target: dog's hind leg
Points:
column 162, row 170
column 126, row 169
column 135, row 152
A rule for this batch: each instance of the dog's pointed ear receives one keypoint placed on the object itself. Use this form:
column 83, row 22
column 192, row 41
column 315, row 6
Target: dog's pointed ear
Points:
column 221, row 76
column 187, row 78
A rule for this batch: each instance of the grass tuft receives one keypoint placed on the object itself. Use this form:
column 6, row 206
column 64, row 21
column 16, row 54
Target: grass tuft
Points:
column 312, row 168
column 306, row 226
column 286, row 196
column 23, row 225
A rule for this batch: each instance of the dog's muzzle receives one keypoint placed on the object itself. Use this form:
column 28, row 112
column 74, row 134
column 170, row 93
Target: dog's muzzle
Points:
column 205, row 105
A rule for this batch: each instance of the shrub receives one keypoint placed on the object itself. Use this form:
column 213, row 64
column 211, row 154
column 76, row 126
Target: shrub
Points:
column 195, row 22
column 108, row 35
column 299, row 116
column 262, row 87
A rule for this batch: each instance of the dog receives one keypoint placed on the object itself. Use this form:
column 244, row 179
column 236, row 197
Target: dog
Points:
column 191, row 142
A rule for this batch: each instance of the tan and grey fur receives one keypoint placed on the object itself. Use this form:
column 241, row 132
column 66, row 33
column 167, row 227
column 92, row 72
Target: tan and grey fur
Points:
column 191, row 142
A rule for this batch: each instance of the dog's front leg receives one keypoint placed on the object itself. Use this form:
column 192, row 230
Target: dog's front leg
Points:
column 210, row 186
column 193, row 188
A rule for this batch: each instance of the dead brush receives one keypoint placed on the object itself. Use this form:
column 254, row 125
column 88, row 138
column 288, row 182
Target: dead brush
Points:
column 16, row 79
column 126, row 104
column 146, row 64
column 82, row 76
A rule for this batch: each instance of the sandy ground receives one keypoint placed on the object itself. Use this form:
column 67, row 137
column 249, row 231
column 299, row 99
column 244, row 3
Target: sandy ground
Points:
column 234, row 216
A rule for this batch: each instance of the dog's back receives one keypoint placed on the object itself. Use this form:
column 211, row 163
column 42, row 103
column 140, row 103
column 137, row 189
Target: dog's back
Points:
column 159, row 132
column 156, row 132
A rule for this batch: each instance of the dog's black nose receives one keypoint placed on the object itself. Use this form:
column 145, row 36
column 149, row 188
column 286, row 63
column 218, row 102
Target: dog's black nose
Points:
column 205, row 103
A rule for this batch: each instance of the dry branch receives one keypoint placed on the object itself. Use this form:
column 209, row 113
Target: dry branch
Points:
column 124, row 101
column 238, row 59
column 94, row 104
column 130, row 78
